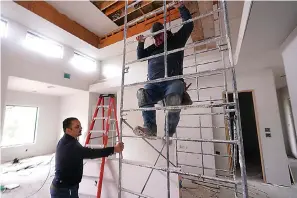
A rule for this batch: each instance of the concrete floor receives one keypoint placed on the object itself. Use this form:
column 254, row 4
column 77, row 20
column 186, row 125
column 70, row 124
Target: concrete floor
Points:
column 32, row 179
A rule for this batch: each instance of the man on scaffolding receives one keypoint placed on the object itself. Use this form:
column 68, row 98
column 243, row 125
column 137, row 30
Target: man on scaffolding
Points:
column 173, row 92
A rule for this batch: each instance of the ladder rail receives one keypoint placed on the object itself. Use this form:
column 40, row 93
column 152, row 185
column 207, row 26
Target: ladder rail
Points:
column 105, row 132
column 105, row 141
column 93, row 122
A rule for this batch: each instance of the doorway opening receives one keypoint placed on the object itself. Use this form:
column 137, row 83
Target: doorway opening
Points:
column 252, row 150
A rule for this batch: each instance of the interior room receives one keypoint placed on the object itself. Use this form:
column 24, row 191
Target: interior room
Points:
column 87, row 60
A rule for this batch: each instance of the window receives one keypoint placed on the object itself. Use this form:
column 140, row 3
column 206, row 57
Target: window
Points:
column 83, row 63
column 19, row 125
column 3, row 28
column 43, row 45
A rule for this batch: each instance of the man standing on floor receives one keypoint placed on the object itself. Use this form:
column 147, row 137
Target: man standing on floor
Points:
column 172, row 92
column 69, row 160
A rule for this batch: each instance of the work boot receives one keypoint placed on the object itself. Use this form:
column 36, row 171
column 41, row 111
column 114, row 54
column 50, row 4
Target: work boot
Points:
column 143, row 131
column 186, row 99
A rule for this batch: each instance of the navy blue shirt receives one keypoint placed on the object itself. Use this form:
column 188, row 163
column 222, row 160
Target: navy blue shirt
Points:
column 69, row 160
column 175, row 60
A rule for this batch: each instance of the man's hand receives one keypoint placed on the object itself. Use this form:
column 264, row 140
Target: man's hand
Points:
column 178, row 4
column 119, row 147
column 140, row 38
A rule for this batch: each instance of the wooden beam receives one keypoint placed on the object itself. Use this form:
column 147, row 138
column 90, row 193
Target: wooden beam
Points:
column 48, row 12
column 137, row 28
column 132, row 9
column 115, row 7
column 102, row 5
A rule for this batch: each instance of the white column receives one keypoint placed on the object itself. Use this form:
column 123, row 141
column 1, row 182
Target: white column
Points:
column 289, row 54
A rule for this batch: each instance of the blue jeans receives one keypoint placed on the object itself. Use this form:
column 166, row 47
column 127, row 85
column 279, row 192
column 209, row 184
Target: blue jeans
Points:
column 64, row 192
column 157, row 92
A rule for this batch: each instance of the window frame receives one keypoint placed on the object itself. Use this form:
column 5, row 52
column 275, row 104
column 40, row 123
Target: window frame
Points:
column 37, row 35
column 35, row 127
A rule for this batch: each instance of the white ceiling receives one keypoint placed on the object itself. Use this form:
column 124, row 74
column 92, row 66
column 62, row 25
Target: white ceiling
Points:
column 25, row 85
column 17, row 13
column 87, row 15
column 269, row 24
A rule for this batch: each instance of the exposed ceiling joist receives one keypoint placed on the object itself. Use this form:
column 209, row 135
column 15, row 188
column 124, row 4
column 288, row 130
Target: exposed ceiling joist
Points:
column 115, row 7
column 102, row 5
column 203, row 28
column 138, row 28
column 48, row 12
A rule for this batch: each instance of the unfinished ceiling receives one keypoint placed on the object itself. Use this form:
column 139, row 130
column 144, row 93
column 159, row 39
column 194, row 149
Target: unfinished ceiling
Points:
column 115, row 10
column 100, row 23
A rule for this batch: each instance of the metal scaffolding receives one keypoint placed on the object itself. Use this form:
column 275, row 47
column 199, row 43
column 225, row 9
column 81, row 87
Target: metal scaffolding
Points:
column 223, row 178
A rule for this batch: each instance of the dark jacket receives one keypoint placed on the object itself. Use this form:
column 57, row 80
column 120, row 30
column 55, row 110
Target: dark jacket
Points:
column 174, row 61
column 69, row 161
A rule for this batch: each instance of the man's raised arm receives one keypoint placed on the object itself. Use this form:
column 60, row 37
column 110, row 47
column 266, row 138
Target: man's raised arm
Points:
column 185, row 31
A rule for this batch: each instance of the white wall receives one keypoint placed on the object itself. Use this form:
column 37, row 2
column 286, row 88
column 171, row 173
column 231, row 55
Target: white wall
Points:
column 76, row 105
column 287, row 122
column 267, row 111
column 289, row 48
column 45, row 69
column 47, row 125
column 283, row 97
column 20, row 62
column 266, row 107
column 136, row 150
column 268, row 116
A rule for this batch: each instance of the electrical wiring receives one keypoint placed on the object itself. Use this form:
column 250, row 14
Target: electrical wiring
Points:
column 49, row 170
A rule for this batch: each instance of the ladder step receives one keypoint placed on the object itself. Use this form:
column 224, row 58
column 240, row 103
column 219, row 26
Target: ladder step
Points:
column 101, row 131
column 94, row 146
column 104, row 118
column 103, row 106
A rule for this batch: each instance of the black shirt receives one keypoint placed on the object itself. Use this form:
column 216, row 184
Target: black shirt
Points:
column 174, row 60
column 69, row 160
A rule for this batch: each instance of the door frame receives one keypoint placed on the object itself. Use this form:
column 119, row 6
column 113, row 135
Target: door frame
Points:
column 258, row 132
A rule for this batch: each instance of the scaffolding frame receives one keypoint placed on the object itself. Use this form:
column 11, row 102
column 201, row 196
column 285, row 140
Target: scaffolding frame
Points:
column 234, row 142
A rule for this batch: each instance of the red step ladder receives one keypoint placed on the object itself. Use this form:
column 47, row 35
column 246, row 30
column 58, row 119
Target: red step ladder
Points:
column 111, row 110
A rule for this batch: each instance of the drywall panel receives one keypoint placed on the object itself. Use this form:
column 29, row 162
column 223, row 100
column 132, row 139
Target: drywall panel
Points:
column 47, row 125
column 289, row 49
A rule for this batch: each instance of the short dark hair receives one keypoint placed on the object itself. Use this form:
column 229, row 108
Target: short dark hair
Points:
column 67, row 123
